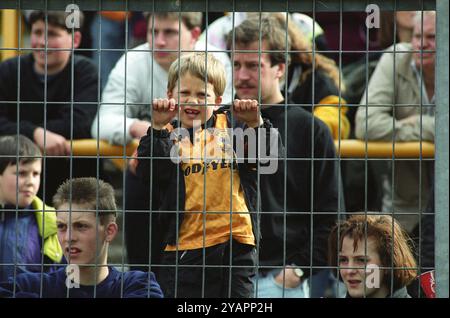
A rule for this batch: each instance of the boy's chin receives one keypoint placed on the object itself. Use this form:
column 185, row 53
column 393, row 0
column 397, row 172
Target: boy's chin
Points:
column 24, row 203
column 192, row 123
column 187, row 124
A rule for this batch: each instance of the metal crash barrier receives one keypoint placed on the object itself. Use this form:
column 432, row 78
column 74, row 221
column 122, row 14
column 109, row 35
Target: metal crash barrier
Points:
column 347, row 149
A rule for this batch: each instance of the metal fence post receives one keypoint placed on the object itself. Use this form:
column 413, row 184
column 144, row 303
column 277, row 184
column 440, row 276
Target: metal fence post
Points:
column 441, row 144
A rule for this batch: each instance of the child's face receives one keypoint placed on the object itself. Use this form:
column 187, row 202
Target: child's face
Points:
column 57, row 38
column 192, row 91
column 79, row 234
column 19, row 185
column 353, row 265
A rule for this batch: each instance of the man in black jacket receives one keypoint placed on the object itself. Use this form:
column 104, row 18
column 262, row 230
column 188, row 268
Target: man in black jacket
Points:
column 299, row 203
column 50, row 96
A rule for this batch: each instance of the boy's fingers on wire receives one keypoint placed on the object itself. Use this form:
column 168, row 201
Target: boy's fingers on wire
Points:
column 161, row 104
column 172, row 104
column 156, row 103
column 165, row 104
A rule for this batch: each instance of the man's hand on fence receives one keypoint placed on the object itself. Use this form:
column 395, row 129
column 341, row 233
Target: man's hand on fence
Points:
column 246, row 110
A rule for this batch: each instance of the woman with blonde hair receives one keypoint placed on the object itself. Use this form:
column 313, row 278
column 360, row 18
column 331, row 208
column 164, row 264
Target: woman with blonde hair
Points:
column 373, row 255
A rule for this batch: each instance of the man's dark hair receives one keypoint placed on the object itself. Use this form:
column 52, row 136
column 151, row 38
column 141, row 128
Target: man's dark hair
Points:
column 55, row 18
column 11, row 146
column 269, row 30
column 94, row 194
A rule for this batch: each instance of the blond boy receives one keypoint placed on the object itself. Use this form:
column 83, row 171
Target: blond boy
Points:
column 206, row 198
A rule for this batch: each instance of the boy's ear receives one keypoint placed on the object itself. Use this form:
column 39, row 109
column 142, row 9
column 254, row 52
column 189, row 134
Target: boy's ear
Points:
column 281, row 70
column 76, row 39
column 218, row 101
column 169, row 94
column 195, row 33
column 111, row 231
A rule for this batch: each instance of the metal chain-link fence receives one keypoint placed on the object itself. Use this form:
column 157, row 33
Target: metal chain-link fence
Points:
column 371, row 139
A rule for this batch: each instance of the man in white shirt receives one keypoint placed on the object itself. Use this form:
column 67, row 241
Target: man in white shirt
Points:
column 138, row 77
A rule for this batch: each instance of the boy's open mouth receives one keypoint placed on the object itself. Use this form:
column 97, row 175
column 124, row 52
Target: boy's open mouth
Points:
column 191, row 113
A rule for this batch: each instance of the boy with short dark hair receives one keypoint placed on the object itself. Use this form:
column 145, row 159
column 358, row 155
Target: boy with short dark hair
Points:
column 28, row 237
column 85, row 240
column 217, row 193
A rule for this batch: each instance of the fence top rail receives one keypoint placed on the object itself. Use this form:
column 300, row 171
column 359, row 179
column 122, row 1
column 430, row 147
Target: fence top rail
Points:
column 221, row 5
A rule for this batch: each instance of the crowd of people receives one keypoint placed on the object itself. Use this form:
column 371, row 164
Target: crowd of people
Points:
column 209, row 211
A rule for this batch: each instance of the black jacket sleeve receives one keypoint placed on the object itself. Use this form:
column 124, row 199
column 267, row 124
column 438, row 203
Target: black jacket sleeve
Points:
column 154, row 162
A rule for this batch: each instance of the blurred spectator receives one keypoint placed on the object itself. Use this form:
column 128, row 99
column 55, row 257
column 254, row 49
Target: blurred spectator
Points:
column 406, row 80
column 346, row 31
column 218, row 30
column 396, row 27
column 52, row 99
column 112, row 38
column 108, row 33
column 315, row 89
column 300, row 75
